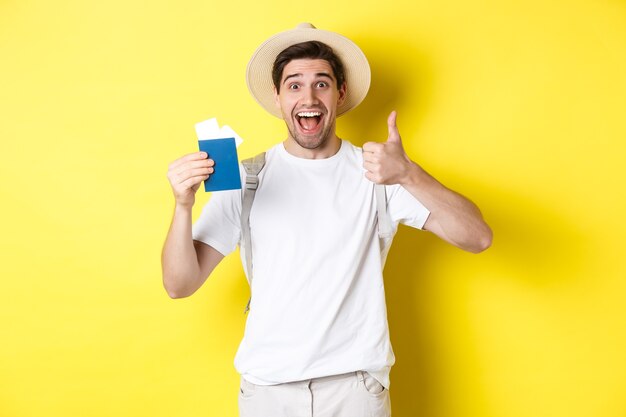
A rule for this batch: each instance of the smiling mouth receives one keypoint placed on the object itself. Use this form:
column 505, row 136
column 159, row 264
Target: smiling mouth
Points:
column 309, row 120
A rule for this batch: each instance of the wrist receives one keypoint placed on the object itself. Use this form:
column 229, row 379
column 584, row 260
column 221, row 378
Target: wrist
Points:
column 183, row 206
column 413, row 174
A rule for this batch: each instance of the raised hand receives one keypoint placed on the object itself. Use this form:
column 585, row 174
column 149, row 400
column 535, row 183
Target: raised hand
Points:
column 387, row 163
column 185, row 175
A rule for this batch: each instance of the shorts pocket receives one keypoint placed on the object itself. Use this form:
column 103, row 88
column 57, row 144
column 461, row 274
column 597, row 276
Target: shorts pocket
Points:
column 372, row 385
column 246, row 389
column 377, row 396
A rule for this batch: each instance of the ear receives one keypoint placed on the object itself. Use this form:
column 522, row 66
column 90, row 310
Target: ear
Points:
column 342, row 94
column 276, row 99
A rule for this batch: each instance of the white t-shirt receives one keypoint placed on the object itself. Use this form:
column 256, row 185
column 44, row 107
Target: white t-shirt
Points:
column 318, row 302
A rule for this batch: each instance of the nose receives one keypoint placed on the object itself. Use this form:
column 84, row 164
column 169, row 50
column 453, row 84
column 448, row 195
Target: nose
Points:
column 309, row 96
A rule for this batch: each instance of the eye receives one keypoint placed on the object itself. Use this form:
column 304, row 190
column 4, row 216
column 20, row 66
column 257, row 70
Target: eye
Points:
column 294, row 86
column 322, row 84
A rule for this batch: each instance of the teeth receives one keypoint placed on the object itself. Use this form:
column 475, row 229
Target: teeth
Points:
column 309, row 114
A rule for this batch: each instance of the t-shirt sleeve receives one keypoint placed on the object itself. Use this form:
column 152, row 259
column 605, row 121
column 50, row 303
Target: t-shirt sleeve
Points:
column 219, row 224
column 404, row 208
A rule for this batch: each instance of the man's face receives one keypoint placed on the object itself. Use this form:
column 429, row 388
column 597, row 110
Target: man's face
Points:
column 308, row 100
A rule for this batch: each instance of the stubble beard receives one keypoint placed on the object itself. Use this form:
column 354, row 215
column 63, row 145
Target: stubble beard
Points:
column 311, row 142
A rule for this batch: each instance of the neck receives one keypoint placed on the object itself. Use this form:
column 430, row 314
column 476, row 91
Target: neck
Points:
column 329, row 148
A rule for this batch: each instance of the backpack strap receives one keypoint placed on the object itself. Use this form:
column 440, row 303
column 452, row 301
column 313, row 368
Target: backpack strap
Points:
column 384, row 220
column 252, row 166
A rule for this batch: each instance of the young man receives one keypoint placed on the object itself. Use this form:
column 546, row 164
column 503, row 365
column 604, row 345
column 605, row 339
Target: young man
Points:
column 316, row 341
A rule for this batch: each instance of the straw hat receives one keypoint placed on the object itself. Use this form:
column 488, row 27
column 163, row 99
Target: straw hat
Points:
column 356, row 67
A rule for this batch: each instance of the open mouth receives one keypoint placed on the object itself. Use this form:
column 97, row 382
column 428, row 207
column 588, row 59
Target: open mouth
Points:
column 309, row 121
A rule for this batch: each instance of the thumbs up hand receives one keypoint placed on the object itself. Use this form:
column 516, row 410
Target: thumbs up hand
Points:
column 387, row 163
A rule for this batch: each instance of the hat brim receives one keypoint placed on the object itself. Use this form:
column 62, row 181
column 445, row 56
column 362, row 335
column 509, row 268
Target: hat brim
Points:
column 356, row 67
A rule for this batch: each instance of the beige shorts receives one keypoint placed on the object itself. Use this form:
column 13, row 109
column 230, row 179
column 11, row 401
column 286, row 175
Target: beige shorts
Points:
column 356, row 394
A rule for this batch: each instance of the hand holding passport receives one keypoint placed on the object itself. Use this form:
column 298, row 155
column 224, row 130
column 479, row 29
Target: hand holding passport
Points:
column 221, row 146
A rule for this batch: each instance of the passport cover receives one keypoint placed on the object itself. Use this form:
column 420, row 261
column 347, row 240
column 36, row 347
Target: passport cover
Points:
column 226, row 169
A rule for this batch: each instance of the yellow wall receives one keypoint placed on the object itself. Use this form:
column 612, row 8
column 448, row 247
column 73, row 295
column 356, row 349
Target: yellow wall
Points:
column 518, row 104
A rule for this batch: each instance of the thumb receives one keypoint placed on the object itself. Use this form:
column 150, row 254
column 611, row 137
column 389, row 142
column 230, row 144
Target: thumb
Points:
column 394, row 134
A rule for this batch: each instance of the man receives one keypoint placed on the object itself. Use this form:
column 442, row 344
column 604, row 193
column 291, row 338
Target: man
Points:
column 316, row 341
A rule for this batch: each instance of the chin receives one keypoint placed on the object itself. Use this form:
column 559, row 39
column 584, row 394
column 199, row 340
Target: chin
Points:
column 317, row 141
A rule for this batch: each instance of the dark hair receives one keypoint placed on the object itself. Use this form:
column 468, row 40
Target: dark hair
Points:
column 310, row 50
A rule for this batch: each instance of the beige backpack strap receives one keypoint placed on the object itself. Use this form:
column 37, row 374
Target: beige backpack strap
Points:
column 384, row 220
column 252, row 166
column 385, row 228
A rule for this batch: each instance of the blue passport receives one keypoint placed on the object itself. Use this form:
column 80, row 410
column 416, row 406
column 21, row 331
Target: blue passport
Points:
column 226, row 170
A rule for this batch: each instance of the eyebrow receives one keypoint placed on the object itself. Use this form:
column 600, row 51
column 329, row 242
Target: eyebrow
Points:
column 317, row 75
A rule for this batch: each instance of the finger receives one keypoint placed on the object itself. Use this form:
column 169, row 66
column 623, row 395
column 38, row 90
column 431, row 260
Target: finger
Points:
column 371, row 167
column 195, row 156
column 371, row 157
column 372, row 147
column 198, row 172
column 370, row 176
column 193, row 181
column 394, row 134
column 202, row 163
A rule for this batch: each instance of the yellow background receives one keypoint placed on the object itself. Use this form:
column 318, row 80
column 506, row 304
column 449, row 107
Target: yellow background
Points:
column 518, row 104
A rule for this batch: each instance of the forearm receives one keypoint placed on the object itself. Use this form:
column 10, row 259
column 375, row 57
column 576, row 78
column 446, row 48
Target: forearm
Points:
column 453, row 217
column 179, row 260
